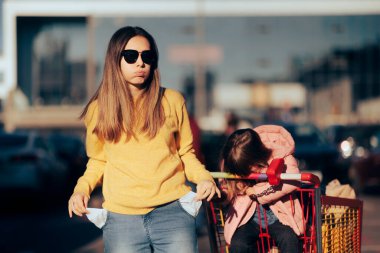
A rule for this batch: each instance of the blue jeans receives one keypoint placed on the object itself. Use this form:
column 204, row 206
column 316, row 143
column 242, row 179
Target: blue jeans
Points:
column 166, row 229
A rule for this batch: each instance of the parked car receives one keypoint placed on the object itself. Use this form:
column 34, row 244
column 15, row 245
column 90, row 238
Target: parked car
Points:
column 359, row 146
column 70, row 149
column 28, row 166
column 351, row 139
column 365, row 170
column 211, row 145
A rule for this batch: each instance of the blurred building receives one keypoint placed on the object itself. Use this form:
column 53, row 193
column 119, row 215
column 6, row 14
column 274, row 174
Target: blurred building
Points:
column 350, row 79
column 260, row 101
column 52, row 53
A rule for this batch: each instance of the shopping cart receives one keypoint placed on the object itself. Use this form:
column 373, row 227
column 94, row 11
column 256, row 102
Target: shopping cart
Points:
column 331, row 224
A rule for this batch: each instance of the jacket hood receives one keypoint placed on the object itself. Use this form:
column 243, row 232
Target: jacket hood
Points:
column 276, row 138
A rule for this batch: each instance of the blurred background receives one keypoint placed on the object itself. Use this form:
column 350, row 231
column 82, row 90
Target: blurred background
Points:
column 312, row 66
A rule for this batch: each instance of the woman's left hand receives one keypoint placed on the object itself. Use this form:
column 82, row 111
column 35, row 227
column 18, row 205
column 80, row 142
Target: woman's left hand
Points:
column 206, row 189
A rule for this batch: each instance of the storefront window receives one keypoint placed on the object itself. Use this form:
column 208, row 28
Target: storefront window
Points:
column 52, row 58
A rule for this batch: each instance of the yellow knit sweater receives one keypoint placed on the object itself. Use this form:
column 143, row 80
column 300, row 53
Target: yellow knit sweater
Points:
column 139, row 175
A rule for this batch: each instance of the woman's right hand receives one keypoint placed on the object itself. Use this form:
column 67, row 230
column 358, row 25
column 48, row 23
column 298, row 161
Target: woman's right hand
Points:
column 78, row 204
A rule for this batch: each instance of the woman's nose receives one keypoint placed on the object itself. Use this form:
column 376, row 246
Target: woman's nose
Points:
column 139, row 61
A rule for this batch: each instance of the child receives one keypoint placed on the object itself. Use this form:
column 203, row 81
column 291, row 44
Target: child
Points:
column 247, row 151
column 139, row 144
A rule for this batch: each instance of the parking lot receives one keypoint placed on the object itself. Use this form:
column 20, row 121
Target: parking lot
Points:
column 49, row 229
column 39, row 222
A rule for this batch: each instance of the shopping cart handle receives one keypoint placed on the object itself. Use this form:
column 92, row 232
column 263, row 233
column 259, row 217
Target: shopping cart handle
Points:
column 311, row 178
column 307, row 178
column 253, row 176
column 273, row 173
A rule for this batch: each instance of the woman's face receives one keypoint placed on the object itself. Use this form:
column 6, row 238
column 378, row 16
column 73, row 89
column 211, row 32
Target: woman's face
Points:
column 136, row 73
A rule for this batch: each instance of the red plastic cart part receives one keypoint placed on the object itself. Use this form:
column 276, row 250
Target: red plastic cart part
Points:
column 276, row 167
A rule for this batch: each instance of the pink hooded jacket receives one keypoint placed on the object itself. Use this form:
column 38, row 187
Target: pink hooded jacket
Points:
column 280, row 201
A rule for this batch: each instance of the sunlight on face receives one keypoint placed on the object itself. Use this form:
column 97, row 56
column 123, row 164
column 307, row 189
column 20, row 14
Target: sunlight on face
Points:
column 138, row 72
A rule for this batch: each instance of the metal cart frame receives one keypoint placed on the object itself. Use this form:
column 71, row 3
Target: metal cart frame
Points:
column 332, row 224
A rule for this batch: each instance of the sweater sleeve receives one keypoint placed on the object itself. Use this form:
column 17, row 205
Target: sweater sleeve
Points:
column 195, row 171
column 268, row 193
column 95, row 152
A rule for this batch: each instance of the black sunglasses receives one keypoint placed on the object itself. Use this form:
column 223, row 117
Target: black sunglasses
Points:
column 131, row 56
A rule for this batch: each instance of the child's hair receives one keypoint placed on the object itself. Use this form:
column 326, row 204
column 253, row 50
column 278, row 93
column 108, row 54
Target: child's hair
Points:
column 242, row 152
column 117, row 111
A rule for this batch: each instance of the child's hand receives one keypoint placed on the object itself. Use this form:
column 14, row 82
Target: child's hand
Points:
column 206, row 189
column 78, row 204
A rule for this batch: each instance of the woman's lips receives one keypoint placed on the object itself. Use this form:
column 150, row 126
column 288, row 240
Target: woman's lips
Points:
column 140, row 74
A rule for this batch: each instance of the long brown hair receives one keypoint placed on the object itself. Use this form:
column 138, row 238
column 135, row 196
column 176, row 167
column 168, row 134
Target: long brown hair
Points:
column 242, row 151
column 117, row 113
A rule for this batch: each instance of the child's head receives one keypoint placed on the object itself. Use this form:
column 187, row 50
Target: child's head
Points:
column 243, row 152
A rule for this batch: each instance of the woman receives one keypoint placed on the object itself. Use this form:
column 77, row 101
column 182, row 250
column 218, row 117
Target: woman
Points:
column 139, row 145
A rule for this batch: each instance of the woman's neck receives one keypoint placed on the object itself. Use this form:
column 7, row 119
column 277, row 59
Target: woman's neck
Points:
column 136, row 92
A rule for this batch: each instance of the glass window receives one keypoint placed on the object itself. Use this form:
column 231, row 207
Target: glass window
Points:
column 52, row 59
column 54, row 54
